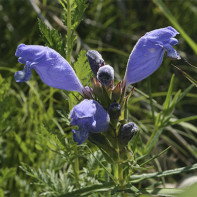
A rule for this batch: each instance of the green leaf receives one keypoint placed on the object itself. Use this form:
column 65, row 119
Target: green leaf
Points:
column 183, row 120
column 52, row 38
column 192, row 80
column 82, row 68
column 161, row 191
column 102, row 165
column 156, row 156
column 90, row 190
column 142, row 177
column 79, row 7
column 169, row 94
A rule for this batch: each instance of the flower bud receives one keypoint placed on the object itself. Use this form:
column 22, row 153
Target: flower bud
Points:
column 114, row 110
column 105, row 75
column 87, row 92
column 95, row 60
column 126, row 132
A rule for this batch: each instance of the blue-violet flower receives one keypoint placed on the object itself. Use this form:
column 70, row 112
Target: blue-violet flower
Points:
column 147, row 54
column 52, row 68
column 89, row 116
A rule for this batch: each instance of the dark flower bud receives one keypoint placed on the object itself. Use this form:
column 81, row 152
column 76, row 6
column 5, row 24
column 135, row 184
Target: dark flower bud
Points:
column 114, row 111
column 95, row 60
column 105, row 75
column 126, row 132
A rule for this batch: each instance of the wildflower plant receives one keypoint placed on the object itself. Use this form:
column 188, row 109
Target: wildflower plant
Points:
column 100, row 117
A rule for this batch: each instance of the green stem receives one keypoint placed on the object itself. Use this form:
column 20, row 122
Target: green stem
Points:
column 76, row 170
column 120, row 175
column 116, row 174
column 69, row 41
column 151, row 99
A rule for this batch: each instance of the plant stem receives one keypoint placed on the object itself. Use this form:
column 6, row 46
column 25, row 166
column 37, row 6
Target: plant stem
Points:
column 151, row 99
column 120, row 175
column 69, row 41
column 76, row 170
column 116, row 174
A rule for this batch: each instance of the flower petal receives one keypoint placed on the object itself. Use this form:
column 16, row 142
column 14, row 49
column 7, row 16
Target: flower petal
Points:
column 84, row 109
column 147, row 55
column 171, row 52
column 80, row 136
column 102, row 119
column 23, row 75
column 162, row 34
column 52, row 68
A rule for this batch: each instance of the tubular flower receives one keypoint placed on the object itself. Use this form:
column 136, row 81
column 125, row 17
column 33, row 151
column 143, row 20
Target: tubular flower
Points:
column 89, row 116
column 147, row 54
column 52, row 68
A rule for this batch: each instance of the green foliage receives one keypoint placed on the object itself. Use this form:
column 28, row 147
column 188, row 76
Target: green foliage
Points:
column 5, row 175
column 52, row 38
column 51, row 183
column 78, row 8
column 5, row 100
column 82, row 68
column 74, row 9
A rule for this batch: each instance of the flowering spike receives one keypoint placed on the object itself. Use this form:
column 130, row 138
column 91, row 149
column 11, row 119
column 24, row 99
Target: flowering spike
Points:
column 147, row 54
column 95, row 60
column 52, row 68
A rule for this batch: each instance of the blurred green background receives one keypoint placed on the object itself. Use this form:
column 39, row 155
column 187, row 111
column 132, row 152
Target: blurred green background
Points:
column 112, row 27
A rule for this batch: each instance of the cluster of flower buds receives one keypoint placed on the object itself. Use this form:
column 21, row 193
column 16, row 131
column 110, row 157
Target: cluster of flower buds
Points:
column 113, row 99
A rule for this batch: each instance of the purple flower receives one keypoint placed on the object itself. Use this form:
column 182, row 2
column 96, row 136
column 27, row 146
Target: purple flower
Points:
column 52, row 68
column 89, row 116
column 147, row 54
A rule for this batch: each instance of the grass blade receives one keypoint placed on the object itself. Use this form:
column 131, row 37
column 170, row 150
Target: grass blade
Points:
column 139, row 178
column 174, row 22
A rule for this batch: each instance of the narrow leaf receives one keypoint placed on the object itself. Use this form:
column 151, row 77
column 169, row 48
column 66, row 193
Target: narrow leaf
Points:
column 139, row 178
